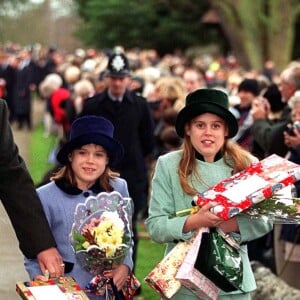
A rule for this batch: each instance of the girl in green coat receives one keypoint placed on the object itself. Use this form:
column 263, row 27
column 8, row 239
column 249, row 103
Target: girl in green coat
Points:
column 207, row 157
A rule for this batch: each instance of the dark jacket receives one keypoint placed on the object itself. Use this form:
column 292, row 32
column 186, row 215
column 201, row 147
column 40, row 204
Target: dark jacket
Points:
column 22, row 94
column 291, row 232
column 8, row 73
column 269, row 136
column 134, row 128
column 18, row 195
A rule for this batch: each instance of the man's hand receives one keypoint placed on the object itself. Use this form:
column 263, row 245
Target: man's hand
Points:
column 292, row 141
column 260, row 108
column 51, row 261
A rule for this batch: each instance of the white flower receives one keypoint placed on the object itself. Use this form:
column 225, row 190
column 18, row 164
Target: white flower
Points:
column 114, row 217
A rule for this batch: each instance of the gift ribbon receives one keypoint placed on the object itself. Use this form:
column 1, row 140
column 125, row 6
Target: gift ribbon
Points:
column 118, row 294
column 101, row 285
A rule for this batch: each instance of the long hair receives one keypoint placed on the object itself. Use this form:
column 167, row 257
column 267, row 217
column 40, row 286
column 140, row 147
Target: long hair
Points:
column 67, row 173
column 235, row 156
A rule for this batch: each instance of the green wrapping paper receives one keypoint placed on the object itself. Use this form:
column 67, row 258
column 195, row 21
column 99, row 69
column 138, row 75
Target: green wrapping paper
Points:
column 220, row 262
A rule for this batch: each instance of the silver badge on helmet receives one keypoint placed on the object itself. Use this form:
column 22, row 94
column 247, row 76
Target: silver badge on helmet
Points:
column 118, row 63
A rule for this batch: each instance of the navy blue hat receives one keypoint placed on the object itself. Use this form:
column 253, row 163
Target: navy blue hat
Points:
column 206, row 101
column 92, row 130
column 118, row 66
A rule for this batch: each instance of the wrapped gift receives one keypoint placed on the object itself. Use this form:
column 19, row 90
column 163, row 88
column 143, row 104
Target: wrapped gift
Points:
column 241, row 191
column 60, row 288
column 162, row 277
column 191, row 278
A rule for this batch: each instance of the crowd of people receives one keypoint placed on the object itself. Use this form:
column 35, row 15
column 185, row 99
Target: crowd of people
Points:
column 143, row 95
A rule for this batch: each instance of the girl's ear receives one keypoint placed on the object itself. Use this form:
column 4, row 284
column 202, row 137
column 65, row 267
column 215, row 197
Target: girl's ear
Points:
column 70, row 157
column 187, row 129
column 226, row 132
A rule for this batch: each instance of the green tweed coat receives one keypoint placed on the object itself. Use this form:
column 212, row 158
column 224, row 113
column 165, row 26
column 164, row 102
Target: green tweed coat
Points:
column 167, row 197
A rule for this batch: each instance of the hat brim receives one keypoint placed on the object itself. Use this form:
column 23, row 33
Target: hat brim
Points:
column 114, row 149
column 117, row 74
column 191, row 111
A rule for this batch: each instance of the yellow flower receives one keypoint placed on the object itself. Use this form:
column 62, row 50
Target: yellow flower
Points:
column 104, row 226
column 116, row 236
column 108, row 235
column 110, row 251
column 101, row 239
column 86, row 244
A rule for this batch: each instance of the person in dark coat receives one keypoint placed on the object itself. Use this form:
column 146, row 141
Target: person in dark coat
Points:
column 248, row 90
column 25, row 82
column 268, row 135
column 7, row 74
column 288, row 245
column 21, row 202
column 134, row 127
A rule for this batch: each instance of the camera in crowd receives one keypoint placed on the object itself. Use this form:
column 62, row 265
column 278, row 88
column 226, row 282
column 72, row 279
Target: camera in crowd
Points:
column 290, row 127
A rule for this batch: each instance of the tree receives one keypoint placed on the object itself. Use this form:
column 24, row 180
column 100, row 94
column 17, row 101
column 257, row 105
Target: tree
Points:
column 11, row 6
column 11, row 2
column 259, row 30
column 163, row 24
column 40, row 22
column 254, row 30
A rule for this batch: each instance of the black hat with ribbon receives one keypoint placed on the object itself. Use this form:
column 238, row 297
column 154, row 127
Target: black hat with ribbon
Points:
column 206, row 101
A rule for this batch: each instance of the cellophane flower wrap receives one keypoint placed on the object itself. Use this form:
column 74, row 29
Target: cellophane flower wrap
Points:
column 102, row 235
column 282, row 208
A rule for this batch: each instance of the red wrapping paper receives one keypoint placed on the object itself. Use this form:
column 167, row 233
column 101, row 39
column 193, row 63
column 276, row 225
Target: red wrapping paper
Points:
column 252, row 185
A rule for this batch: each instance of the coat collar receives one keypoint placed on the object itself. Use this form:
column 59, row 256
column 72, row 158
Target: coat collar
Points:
column 128, row 96
column 73, row 190
column 218, row 156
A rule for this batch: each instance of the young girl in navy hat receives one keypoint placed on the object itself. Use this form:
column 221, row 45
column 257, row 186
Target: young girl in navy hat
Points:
column 86, row 160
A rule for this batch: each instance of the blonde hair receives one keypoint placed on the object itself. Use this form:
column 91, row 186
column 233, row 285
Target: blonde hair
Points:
column 72, row 74
column 172, row 88
column 51, row 83
column 234, row 155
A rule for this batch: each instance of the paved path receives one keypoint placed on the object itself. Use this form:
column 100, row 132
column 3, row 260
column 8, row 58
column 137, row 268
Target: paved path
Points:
column 11, row 259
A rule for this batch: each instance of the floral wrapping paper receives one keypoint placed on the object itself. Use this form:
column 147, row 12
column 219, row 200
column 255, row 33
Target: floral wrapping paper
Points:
column 162, row 277
column 241, row 191
column 191, row 278
column 66, row 284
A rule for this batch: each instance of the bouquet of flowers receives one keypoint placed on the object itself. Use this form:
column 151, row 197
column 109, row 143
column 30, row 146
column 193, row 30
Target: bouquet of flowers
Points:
column 281, row 208
column 278, row 208
column 101, row 235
